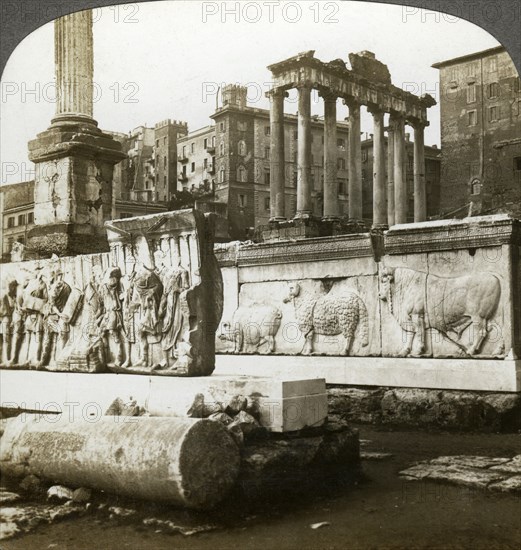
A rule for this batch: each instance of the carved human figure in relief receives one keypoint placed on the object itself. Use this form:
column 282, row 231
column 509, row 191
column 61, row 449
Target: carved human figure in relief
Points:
column 172, row 312
column 328, row 315
column 111, row 323
column 34, row 303
column 419, row 301
column 7, row 307
column 143, row 297
column 19, row 316
column 56, row 322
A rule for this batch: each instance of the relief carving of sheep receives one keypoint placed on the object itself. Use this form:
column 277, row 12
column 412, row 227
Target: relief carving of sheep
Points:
column 328, row 315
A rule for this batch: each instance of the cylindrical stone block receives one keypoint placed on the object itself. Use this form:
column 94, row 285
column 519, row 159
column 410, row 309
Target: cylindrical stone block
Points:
column 189, row 462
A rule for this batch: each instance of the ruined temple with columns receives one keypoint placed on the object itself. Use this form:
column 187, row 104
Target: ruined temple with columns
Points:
column 367, row 83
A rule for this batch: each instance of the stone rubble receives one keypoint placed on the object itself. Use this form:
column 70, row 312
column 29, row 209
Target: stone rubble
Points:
column 481, row 472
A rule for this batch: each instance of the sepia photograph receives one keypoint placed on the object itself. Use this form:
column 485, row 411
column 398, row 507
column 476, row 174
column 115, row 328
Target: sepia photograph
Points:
column 260, row 275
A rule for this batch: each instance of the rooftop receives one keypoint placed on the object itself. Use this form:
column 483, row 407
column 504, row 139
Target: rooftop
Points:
column 469, row 57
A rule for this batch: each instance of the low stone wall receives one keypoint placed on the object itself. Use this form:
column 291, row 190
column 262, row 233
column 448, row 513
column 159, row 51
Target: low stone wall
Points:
column 450, row 410
column 429, row 291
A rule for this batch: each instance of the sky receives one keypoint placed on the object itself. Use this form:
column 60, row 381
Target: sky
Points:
column 159, row 60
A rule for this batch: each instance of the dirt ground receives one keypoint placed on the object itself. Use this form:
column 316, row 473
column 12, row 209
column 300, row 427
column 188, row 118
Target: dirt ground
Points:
column 381, row 511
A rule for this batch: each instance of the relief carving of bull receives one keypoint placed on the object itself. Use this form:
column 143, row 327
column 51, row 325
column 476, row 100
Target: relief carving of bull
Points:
column 328, row 315
column 420, row 301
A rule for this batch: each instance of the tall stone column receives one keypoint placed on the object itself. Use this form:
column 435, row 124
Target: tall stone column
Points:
column 74, row 159
column 420, row 196
column 304, row 206
column 400, row 182
column 277, row 160
column 390, row 173
column 74, row 64
column 330, row 159
column 355, row 163
column 379, row 191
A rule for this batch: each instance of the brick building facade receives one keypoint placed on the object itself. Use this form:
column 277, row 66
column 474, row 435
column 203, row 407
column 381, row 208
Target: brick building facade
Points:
column 480, row 134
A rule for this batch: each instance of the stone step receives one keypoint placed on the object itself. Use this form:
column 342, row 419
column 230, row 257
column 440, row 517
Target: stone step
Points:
column 286, row 404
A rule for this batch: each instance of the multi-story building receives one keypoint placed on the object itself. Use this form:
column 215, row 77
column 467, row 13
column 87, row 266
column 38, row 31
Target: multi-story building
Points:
column 17, row 202
column 480, row 134
column 149, row 174
column 237, row 165
column 432, row 178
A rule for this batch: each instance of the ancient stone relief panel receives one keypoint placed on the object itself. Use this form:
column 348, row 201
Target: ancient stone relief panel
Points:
column 150, row 306
column 445, row 304
column 324, row 317
column 53, row 196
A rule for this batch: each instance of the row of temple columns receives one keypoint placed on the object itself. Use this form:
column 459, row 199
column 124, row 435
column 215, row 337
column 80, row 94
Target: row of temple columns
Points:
column 390, row 198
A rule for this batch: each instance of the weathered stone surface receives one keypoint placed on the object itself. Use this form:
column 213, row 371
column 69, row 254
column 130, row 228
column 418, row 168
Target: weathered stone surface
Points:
column 192, row 463
column 202, row 409
column 511, row 467
column 366, row 455
column 221, row 417
column 416, row 407
column 7, row 497
column 472, row 471
column 291, row 464
column 59, row 493
column 509, row 485
column 246, row 423
column 236, row 404
column 82, row 494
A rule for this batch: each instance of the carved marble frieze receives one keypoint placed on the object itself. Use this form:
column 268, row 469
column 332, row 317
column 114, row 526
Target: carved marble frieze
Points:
column 150, row 306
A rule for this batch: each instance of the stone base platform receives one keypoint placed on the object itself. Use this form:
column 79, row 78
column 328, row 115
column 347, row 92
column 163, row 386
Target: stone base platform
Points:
column 286, row 403
column 441, row 374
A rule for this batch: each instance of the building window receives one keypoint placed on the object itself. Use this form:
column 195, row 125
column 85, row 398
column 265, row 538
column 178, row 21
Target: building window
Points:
column 475, row 187
column 266, row 152
column 157, row 143
column 205, row 143
column 472, row 118
column 213, row 141
column 192, row 167
column 471, row 93
column 221, row 126
column 10, row 222
column 267, row 130
column 241, row 148
column 341, row 163
column 164, row 183
column 221, row 175
column 453, row 74
column 192, row 147
column 342, row 184
column 221, row 148
column 493, row 90
column 517, row 164
column 267, row 177
column 493, row 114
column 164, row 163
column 492, row 64
column 295, row 134
column 364, row 155
column 266, row 203
column 184, row 151
column 205, row 163
column 30, row 218
column 341, row 143
column 471, row 70
column 164, row 140
column 241, row 174
column 21, row 219
column 242, row 201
